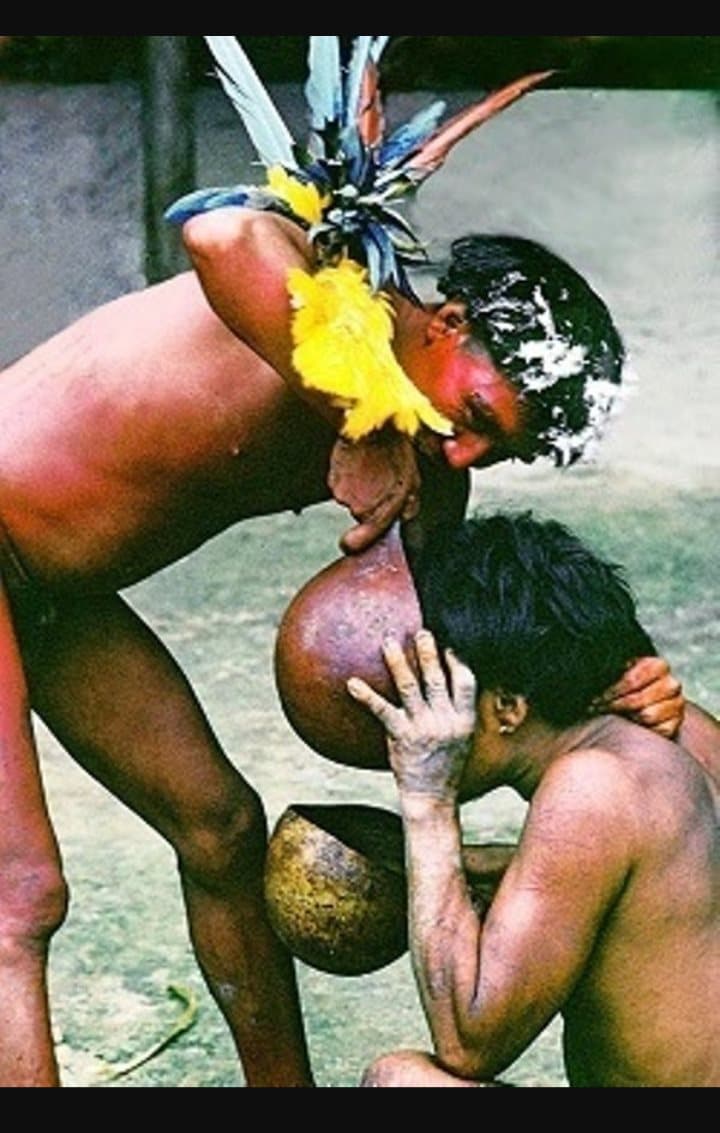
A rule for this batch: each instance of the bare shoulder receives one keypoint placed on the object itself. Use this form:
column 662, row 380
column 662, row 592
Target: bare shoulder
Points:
column 581, row 837
column 592, row 778
column 638, row 786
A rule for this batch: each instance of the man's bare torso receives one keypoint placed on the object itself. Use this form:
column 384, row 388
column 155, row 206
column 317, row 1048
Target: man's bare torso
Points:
column 647, row 1010
column 142, row 431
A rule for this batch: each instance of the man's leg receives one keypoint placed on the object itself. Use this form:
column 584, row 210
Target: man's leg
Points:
column 412, row 1068
column 33, row 898
column 121, row 706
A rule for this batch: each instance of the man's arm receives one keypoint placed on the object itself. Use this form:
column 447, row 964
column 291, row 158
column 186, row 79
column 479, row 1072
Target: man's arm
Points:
column 490, row 985
column 484, row 868
column 700, row 736
column 242, row 259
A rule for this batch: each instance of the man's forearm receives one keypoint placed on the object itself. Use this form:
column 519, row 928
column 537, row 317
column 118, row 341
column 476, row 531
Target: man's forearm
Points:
column 444, row 926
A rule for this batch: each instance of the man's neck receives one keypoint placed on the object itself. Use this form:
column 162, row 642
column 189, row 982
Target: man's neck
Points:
column 539, row 745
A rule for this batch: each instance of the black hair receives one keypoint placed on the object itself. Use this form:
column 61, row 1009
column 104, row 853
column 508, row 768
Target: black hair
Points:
column 531, row 611
column 547, row 330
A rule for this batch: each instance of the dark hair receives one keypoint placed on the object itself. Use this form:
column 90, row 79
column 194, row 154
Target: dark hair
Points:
column 547, row 330
column 531, row 610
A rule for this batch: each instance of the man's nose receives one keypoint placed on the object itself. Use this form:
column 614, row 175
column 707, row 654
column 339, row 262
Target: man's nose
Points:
column 466, row 449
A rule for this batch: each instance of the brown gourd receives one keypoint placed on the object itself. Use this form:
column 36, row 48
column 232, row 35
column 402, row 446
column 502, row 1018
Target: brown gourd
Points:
column 334, row 630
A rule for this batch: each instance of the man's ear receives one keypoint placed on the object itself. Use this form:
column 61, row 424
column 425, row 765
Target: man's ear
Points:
column 449, row 319
column 511, row 711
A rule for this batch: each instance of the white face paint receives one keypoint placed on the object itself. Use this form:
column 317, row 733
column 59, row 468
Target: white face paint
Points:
column 542, row 358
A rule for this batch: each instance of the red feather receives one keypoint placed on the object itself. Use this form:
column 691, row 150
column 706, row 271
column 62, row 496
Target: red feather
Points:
column 371, row 116
column 435, row 151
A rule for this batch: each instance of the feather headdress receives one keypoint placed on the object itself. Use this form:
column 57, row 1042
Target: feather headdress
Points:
column 343, row 186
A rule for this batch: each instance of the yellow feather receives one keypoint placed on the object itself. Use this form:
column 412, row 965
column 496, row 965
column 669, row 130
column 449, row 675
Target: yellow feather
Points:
column 304, row 199
column 343, row 348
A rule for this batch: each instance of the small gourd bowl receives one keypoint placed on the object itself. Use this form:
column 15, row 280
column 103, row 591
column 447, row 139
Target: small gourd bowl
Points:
column 336, row 888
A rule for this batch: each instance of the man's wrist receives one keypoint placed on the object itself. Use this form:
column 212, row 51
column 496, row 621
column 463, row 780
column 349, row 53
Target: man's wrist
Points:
column 428, row 807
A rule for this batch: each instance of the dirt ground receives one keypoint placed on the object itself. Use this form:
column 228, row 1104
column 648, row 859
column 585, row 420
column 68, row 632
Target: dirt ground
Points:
column 624, row 185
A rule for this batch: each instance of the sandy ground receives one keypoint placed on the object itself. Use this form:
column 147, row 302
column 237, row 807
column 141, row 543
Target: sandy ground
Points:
column 625, row 186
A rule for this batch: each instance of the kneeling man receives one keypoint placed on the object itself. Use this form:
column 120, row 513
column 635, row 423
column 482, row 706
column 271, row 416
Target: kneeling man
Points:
column 609, row 911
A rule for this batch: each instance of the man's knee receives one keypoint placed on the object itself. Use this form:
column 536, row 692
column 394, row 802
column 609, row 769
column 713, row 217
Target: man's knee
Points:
column 405, row 1068
column 413, row 1068
column 33, row 901
column 224, row 841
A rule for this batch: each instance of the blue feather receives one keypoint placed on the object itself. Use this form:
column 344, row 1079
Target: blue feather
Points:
column 381, row 259
column 353, row 151
column 205, row 200
column 267, row 130
column 238, row 196
column 386, row 253
column 324, row 92
column 410, row 137
column 398, row 227
column 404, row 285
column 373, row 261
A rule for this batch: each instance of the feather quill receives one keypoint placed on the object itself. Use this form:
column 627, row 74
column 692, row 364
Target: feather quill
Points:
column 266, row 128
column 324, row 88
column 436, row 150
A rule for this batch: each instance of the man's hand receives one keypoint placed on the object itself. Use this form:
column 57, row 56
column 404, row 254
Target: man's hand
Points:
column 430, row 734
column 378, row 480
column 650, row 695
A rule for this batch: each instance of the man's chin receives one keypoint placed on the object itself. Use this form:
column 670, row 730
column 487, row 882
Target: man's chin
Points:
column 430, row 446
